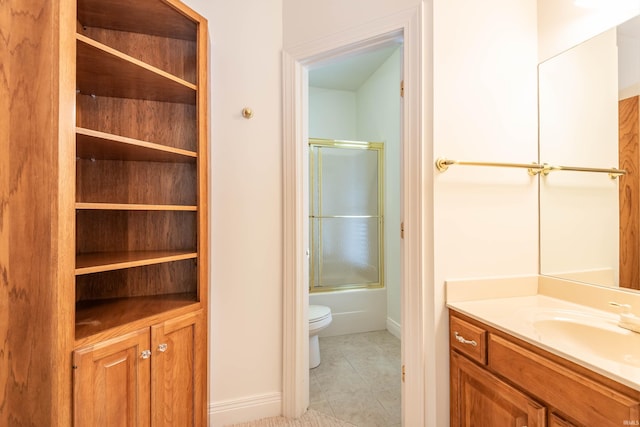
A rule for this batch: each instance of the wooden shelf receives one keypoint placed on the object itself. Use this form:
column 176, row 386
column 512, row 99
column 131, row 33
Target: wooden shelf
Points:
column 133, row 207
column 103, row 71
column 140, row 16
column 100, row 319
column 92, row 144
column 108, row 261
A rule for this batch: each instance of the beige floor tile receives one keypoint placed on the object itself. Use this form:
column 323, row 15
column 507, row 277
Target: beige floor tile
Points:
column 358, row 379
column 361, row 409
column 315, row 391
column 322, row 406
column 391, row 402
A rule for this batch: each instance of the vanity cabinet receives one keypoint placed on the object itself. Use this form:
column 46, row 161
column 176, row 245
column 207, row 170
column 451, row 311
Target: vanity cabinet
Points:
column 103, row 214
column 499, row 380
column 117, row 382
column 482, row 399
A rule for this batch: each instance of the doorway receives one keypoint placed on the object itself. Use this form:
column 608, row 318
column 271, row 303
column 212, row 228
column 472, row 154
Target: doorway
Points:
column 354, row 222
column 297, row 62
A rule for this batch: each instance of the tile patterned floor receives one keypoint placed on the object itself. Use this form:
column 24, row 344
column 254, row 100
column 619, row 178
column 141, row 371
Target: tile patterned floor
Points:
column 358, row 379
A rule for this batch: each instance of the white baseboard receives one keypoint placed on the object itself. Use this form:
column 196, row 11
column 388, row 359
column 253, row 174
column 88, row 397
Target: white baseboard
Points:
column 246, row 409
column 394, row 328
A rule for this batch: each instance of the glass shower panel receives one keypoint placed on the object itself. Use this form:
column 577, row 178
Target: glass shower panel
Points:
column 349, row 182
column 349, row 252
column 345, row 215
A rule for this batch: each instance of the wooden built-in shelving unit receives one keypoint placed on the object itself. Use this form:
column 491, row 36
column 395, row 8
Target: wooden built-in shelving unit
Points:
column 140, row 165
column 103, row 214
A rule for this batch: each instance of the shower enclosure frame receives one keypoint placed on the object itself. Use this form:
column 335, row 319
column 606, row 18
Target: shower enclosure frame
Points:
column 347, row 145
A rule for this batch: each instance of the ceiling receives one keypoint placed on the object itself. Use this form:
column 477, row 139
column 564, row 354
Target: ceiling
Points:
column 350, row 72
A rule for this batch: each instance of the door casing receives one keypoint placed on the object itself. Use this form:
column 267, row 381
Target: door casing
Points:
column 416, row 173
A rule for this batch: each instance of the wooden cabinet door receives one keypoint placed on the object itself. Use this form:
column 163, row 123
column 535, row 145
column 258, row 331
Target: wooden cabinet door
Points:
column 111, row 382
column 555, row 421
column 479, row 399
column 177, row 383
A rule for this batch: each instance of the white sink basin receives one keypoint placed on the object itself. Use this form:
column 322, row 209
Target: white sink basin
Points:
column 584, row 332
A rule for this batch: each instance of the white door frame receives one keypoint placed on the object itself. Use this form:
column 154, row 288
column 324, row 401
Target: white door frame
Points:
column 408, row 24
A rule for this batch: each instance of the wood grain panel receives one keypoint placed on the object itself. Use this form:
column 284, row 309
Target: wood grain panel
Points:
column 629, row 188
column 114, row 231
column 101, row 261
column 34, row 125
column 166, row 123
column 203, row 176
column 7, row 387
column 142, row 16
column 580, row 398
column 133, row 207
column 175, row 56
column 91, row 144
column 177, row 382
column 479, row 399
column 157, row 279
column 102, row 71
column 111, row 383
column 555, row 421
column 99, row 320
column 114, row 181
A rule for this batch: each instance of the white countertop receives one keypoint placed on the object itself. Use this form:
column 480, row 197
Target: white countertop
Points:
column 516, row 316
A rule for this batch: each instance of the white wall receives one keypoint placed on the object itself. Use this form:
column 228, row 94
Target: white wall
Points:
column 562, row 24
column 485, row 108
column 332, row 114
column 629, row 64
column 245, row 205
column 379, row 120
column 307, row 20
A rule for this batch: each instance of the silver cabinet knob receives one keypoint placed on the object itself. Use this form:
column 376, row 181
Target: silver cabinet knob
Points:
column 162, row 348
column 145, row 354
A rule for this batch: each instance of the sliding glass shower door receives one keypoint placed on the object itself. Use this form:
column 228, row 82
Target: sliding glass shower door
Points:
column 345, row 214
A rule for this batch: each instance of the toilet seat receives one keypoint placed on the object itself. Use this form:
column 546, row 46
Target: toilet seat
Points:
column 318, row 312
column 319, row 317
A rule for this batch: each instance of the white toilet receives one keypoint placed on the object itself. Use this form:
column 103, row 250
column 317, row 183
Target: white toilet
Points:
column 319, row 318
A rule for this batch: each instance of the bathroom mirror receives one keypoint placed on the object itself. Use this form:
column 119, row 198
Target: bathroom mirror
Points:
column 588, row 220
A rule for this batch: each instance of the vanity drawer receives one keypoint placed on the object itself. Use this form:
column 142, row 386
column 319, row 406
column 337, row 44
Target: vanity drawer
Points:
column 579, row 398
column 468, row 339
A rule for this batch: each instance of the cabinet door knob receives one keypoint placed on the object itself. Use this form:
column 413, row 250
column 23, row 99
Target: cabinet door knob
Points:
column 145, row 354
column 462, row 340
column 162, row 348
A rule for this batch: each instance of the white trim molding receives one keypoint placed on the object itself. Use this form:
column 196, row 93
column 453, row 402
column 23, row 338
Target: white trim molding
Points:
column 243, row 410
column 394, row 328
column 416, row 203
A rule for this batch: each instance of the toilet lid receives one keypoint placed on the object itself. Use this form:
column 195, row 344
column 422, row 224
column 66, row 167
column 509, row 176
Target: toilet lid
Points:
column 318, row 312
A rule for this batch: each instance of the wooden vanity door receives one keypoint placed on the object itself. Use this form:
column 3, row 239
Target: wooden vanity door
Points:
column 478, row 399
column 111, row 382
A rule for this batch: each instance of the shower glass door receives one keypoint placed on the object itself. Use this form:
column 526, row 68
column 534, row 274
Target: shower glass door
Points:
column 345, row 215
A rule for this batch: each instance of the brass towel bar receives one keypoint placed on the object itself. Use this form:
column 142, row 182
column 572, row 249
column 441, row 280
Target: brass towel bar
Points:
column 442, row 164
